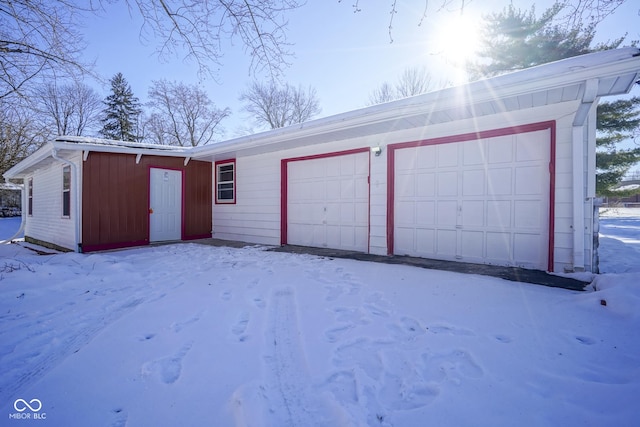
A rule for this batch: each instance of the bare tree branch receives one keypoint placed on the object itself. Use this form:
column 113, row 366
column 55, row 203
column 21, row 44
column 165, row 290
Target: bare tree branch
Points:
column 183, row 115
column 279, row 106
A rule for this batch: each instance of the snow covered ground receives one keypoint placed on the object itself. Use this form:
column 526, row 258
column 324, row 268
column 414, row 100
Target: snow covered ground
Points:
column 191, row 335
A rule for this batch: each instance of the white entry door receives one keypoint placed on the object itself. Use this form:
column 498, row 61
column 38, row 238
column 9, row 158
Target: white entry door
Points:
column 482, row 201
column 328, row 202
column 165, row 205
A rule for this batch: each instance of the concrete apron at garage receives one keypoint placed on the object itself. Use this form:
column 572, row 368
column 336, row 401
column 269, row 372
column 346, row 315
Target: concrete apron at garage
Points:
column 514, row 274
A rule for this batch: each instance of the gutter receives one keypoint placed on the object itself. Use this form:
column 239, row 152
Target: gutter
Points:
column 580, row 137
column 76, row 205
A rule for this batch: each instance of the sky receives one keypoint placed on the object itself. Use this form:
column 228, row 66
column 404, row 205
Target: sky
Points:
column 342, row 54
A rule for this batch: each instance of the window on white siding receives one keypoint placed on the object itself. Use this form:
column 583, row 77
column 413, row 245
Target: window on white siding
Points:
column 30, row 197
column 226, row 182
column 66, row 191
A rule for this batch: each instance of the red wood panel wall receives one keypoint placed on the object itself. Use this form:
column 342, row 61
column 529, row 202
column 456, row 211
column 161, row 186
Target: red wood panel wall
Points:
column 115, row 199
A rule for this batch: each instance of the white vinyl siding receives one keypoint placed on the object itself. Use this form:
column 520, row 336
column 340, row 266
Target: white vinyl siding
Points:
column 46, row 223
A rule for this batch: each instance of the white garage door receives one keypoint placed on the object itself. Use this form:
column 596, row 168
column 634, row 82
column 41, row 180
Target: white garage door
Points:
column 328, row 202
column 482, row 201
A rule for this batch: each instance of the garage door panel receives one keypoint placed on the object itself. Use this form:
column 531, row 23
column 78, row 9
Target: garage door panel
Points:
column 347, row 166
column 408, row 217
column 448, row 184
column 492, row 196
column 349, row 238
column 499, row 181
column 498, row 246
column 313, row 169
column 406, row 160
column 447, row 213
column 425, row 184
column 447, row 155
column 473, row 214
column 305, row 234
column 306, row 191
column 405, row 185
column 500, row 150
column 426, row 159
column 472, row 244
column 362, row 188
column 474, row 153
column 498, row 213
column 473, row 182
column 528, row 180
column 426, row 242
column 347, row 189
column 527, row 249
column 328, row 202
column 347, row 213
column 426, row 213
column 446, row 242
column 528, row 146
column 527, row 214
column 406, row 240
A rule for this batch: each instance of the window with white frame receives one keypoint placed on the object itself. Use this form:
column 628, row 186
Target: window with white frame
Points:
column 226, row 182
column 30, row 197
column 66, row 191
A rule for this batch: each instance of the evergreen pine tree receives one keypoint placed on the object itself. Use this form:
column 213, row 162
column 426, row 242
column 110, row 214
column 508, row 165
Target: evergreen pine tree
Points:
column 122, row 110
column 515, row 39
column 617, row 121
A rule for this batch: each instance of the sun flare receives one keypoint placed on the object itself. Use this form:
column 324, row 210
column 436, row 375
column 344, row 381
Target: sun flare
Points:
column 457, row 39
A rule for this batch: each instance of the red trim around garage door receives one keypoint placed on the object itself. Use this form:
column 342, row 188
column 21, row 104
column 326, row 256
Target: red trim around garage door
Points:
column 532, row 127
column 284, row 182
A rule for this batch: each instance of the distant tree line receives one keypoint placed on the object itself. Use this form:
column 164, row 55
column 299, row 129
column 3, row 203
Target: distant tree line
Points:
column 40, row 42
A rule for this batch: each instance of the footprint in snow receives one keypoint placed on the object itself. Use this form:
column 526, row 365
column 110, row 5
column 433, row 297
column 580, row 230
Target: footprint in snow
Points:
column 377, row 306
column 333, row 292
column 178, row 326
column 353, row 315
column 343, row 385
column 333, row 334
column 360, row 354
column 400, row 393
column 146, row 337
column 452, row 330
column 259, row 302
column 451, row 366
column 240, row 326
column 407, row 330
column 226, row 295
column 119, row 417
column 503, row 339
column 167, row 369
column 585, row 340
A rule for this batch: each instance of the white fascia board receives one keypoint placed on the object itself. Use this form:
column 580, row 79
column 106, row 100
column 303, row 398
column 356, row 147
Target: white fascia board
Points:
column 86, row 145
column 17, row 170
column 79, row 146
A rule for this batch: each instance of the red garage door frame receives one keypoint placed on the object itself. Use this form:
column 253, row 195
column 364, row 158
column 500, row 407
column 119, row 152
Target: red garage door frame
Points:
column 532, row 127
column 284, row 180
